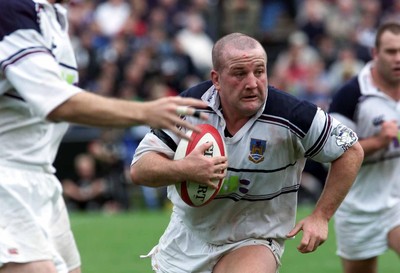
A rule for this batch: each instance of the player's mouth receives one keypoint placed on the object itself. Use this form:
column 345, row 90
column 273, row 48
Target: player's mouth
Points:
column 396, row 70
column 250, row 98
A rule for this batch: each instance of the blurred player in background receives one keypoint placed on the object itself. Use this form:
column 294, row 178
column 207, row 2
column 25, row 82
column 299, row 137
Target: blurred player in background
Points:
column 268, row 135
column 368, row 221
column 38, row 96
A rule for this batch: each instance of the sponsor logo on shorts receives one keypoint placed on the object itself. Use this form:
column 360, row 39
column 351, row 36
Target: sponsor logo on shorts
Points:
column 13, row 251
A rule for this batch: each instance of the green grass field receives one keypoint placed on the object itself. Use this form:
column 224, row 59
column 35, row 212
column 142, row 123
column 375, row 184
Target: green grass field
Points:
column 113, row 243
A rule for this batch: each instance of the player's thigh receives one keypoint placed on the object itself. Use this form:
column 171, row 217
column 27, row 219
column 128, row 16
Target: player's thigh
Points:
column 394, row 239
column 360, row 266
column 254, row 259
column 32, row 267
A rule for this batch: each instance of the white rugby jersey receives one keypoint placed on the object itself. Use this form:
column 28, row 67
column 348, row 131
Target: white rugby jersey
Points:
column 266, row 158
column 362, row 107
column 37, row 70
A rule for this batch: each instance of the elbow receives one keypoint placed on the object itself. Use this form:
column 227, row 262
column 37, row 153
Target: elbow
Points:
column 135, row 176
column 359, row 151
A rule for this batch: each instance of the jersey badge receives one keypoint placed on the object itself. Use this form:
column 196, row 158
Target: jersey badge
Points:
column 345, row 137
column 257, row 150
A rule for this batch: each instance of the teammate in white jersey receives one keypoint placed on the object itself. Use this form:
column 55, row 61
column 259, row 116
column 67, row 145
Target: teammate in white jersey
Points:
column 368, row 221
column 268, row 135
column 37, row 76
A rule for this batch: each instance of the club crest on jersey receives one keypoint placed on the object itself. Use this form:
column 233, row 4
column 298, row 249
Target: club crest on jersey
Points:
column 344, row 136
column 257, row 150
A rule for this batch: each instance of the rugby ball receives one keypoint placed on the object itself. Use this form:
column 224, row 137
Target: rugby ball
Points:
column 192, row 193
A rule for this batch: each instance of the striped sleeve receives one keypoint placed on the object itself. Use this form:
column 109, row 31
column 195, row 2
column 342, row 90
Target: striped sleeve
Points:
column 327, row 139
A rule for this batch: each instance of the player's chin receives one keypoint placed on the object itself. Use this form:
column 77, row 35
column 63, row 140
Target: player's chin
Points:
column 251, row 109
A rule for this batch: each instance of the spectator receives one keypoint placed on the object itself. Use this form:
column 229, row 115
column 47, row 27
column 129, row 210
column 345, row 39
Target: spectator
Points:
column 346, row 66
column 341, row 20
column 110, row 17
column 87, row 191
column 311, row 19
column 293, row 64
column 241, row 16
column 196, row 43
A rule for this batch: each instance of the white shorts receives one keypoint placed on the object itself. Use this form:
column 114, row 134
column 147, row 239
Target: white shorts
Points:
column 34, row 222
column 181, row 251
column 363, row 236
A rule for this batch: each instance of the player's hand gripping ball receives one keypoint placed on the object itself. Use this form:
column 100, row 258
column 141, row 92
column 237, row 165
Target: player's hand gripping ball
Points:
column 194, row 194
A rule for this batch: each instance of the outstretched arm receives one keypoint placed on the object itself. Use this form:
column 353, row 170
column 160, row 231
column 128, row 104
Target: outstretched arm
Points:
column 342, row 174
column 93, row 110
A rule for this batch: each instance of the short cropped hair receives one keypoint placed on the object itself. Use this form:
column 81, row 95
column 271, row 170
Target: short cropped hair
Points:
column 237, row 40
column 388, row 26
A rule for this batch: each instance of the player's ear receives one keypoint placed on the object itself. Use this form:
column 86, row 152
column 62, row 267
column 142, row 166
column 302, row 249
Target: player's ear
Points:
column 215, row 79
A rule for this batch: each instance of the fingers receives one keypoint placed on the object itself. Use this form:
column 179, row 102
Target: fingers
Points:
column 190, row 111
column 309, row 244
column 220, row 167
column 294, row 231
column 219, row 173
column 182, row 123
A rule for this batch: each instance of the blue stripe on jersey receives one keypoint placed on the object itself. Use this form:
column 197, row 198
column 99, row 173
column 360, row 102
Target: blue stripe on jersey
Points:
column 13, row 96
column 17, row 14
column 319, row 144
column 262, row 171
column 68, row 66
column 289, row 111
column 346, row 98
column 21, row 54
column 254, row 198
column 379, row 160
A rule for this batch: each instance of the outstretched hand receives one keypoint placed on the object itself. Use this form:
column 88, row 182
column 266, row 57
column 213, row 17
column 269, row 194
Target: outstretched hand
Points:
column 315, row 233
column 166, row 113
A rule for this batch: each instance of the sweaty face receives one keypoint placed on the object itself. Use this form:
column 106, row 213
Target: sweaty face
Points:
column 242, row 82
column 387, row 58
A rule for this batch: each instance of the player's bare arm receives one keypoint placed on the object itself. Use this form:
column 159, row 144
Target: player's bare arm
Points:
column 341, row 175
column 155, row 169
column 93, row 110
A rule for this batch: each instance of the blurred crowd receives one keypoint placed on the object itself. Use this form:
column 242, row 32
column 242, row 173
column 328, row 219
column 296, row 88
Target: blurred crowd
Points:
column 146, row 49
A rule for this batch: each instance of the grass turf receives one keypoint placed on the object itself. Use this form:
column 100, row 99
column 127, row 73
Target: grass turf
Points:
column 113, row 243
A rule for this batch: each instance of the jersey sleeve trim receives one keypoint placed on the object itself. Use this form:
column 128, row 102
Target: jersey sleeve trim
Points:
column 22, row 54
column 323, row 138
column 164, row 137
